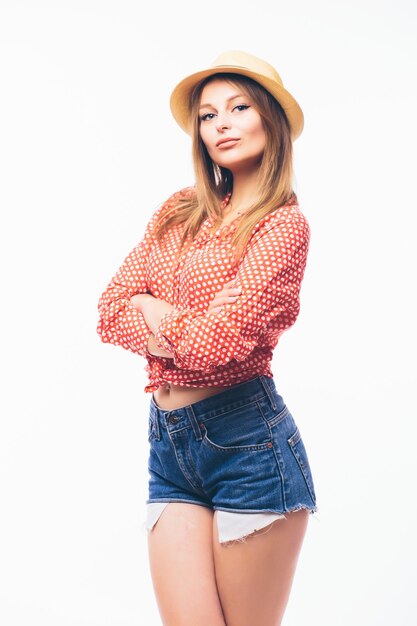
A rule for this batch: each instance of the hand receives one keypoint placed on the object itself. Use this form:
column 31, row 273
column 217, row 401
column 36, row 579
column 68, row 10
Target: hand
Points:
column 155, row 350
column 152, row 309
column 228, row 294
column 138, row 300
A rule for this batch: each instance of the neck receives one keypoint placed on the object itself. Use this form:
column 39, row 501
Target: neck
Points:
column 245, row 189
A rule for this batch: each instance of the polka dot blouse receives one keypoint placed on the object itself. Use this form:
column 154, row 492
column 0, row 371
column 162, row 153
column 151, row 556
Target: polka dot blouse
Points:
column 210, row 349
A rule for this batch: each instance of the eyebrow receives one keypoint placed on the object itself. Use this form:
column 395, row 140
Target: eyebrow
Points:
column 238, row 95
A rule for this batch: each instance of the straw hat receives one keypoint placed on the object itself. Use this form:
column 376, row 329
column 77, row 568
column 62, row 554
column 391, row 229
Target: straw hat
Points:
column 238, row 63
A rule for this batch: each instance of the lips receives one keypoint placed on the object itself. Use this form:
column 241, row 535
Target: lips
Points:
column 226, row 141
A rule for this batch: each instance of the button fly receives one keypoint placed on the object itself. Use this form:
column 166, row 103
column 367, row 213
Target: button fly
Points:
column 173, row 419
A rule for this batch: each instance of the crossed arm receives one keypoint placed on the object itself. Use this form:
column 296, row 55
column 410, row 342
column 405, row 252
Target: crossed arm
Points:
column 152, row 310
column 269, row 277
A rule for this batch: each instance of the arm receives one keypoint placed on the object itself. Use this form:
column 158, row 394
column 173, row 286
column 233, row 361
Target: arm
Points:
column 155, row 350
column 270, row 276
column 120, row 323
column 152, row 309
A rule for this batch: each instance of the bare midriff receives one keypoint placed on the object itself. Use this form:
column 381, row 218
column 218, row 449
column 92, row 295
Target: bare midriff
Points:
column 171, row 396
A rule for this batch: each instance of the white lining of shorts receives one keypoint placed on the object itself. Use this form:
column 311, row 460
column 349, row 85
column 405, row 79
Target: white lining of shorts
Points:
column 230, row 525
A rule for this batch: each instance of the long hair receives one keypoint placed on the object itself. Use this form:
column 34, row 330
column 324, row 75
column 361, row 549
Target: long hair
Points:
column 213, row 182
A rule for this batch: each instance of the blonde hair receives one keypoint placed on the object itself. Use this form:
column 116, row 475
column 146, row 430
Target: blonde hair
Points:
column 213, row 182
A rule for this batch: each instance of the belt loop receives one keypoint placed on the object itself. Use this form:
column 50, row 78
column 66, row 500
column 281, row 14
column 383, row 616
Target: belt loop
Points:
column 194, row 422
column 267, row 388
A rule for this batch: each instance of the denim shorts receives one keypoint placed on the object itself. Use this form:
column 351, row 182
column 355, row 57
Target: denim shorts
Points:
column 237, row 452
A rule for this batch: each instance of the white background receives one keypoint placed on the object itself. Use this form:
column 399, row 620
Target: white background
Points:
column 88, row 150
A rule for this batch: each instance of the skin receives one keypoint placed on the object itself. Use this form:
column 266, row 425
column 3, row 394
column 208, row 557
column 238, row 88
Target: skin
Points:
column 225, row 112
column 197, row 580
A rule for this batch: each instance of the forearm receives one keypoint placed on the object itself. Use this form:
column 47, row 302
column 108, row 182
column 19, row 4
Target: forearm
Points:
column 152, row 310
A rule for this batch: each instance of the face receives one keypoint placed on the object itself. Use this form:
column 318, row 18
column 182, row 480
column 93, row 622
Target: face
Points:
column 226, row 113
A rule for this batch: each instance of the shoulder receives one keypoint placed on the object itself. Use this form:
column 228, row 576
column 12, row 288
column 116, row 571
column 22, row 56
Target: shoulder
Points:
column 286, row 219
column 184, row 193
column 168, row 205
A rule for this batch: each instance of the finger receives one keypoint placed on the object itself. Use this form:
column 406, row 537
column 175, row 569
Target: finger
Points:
column 215, row 309
column 225, row 300
column 230, row 283
column 221, row 301
column 231, row 291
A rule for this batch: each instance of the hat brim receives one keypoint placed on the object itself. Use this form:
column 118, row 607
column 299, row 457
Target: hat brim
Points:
column 181, row 97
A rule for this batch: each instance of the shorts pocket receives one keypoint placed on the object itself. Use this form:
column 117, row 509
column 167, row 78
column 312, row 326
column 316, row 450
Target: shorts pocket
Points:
column 242, row 429
column 297, row 448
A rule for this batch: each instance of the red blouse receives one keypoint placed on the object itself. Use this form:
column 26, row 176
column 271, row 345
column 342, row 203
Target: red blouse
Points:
column 210, row 349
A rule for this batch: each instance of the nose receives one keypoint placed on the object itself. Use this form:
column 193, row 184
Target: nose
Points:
column 222, row 123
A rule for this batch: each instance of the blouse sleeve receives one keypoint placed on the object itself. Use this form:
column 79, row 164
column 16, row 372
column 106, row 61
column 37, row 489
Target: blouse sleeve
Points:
column 120, row 323
column 269, row 275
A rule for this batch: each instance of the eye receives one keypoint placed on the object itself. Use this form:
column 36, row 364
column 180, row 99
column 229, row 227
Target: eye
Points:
column 205, row 116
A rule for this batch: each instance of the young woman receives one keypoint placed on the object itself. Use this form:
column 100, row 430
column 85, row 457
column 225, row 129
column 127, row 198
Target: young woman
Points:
column 204, row 298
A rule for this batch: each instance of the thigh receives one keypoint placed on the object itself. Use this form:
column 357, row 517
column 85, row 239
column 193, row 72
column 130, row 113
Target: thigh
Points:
column 182, row 566
column 254, row 578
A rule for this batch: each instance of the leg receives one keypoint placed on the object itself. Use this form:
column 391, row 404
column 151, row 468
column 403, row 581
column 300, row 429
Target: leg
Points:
column 182, row 566
column 254, row 577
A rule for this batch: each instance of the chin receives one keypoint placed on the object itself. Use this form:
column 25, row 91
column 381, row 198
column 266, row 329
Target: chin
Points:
column 237, row 164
